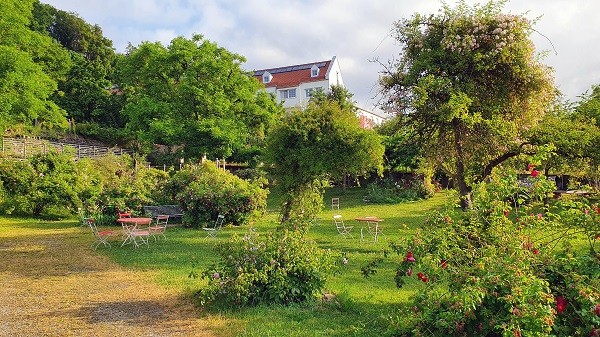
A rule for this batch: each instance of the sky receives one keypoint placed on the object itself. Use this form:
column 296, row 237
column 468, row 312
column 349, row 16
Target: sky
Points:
column 271, row 33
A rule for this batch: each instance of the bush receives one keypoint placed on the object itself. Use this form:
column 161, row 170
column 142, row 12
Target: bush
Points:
column 494, row 271
column 123, row 185
column 388, row 191
column 283, row 268
column 205, row 191
column 44, row 185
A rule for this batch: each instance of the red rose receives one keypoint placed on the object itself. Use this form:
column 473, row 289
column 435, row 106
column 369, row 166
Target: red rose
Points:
column 561, row 304
column 597, row 309
column 444, row 264
column 410, row 257
column 530, row 167
column 535, row 173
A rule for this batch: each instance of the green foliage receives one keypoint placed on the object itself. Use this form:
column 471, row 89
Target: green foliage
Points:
column 54, row 184
column 574, row 137
column 469, row 84
column 42, row 185
column 402, row 150
column 387, row 191
column 494, row 271
column 30, row 65
column 282, row 268
column 125, row 185
column 322, row 142
column 205, row 191
column 194, row 94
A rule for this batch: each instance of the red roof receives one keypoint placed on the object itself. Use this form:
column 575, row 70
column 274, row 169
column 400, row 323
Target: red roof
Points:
column 293, row 76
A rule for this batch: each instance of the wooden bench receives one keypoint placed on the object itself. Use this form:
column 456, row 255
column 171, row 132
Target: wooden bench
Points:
column 173, row 211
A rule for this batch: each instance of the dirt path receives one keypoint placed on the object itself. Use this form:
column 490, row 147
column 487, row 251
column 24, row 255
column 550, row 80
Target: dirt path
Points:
column 53, row 284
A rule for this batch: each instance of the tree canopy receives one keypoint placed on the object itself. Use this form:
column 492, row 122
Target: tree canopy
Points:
column 323, row 141
column 194, row 94
column 30, row 65
column 469, row 82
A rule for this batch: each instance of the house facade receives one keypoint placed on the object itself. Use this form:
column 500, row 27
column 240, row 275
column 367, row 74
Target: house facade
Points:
column 293, row 85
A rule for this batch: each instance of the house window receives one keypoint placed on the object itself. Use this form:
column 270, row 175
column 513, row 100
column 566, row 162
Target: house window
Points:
column 289, row 93
column 314, row 71
column 267, row 77
column 310, row 91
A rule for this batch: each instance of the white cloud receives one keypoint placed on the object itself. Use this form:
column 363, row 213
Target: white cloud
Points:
column 274, row 33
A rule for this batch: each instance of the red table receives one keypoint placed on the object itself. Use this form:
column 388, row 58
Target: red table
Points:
column 132, row 232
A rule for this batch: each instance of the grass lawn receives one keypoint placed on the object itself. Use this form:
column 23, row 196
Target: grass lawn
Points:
column 362, row 305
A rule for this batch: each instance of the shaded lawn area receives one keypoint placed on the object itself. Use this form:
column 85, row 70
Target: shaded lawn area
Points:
column 362, row 306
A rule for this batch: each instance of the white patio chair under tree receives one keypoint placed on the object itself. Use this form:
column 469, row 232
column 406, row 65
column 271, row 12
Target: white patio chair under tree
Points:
column 335, row 203
column 342, row 229
column 211, row 232
column 159, row 227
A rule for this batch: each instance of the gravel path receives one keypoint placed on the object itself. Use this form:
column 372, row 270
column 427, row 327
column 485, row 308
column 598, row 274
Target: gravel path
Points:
column 53, row 284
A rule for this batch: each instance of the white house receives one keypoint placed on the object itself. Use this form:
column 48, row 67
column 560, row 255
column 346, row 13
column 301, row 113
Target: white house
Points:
column 369, row 119
column 293, row 85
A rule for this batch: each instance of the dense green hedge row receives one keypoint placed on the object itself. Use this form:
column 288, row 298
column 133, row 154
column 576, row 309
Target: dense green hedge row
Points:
column 54, row 185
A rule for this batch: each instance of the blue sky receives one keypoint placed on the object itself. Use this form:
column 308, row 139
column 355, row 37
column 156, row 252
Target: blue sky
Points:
column 277, row 33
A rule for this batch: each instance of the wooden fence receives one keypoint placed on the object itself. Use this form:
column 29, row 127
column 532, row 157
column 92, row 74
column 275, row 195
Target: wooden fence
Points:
column 26, row 147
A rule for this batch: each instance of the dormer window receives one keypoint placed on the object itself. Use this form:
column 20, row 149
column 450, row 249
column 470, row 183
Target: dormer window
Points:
column 267, row 77
column 314, row 71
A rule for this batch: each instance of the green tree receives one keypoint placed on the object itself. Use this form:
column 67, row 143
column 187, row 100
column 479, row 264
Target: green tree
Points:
column 324, row 141
column 83, row 91
column 469, row 83
column 402, row 150
column 194, row 95
column 573, row 138
column 30, row 65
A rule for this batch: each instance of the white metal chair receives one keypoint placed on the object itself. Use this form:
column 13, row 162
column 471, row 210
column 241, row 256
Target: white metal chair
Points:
column 342, row 229
column 159, row 227
column 374, row 229
column 100, row 236
column 211, row 232
column 335, row 203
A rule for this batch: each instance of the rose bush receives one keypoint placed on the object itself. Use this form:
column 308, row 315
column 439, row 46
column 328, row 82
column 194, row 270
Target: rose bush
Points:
column 503, row 268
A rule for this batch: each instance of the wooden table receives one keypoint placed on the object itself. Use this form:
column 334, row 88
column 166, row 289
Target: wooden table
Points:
column 132, row 232
column 372, row 226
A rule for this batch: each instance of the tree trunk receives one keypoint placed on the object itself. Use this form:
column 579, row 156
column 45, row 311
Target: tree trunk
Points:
column 463, row 189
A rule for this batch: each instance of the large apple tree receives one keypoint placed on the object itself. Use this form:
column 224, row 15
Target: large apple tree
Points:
column 469, row 82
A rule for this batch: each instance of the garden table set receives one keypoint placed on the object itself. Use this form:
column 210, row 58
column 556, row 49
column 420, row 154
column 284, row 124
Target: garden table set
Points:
column 133, row 232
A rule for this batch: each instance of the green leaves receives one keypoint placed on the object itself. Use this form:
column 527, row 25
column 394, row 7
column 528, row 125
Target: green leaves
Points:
column 194, row 95
column 469, row 84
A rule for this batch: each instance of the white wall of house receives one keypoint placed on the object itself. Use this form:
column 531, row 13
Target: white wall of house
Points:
column 334, row 74
column 300, row 99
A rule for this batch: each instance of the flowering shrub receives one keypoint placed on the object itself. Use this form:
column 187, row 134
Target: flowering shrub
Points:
column 44, row 185
column 389, row 192
column 204, row 192
column 282, row 268
column 496, row 271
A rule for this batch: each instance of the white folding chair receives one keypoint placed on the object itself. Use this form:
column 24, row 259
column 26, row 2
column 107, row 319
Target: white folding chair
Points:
column 342, row 229
column 100, row 236
column 159, row 227
column 335, row 203
column 211, row 232
column 374, row 229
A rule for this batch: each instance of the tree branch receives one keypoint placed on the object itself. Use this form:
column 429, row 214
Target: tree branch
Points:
column 500, row 159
